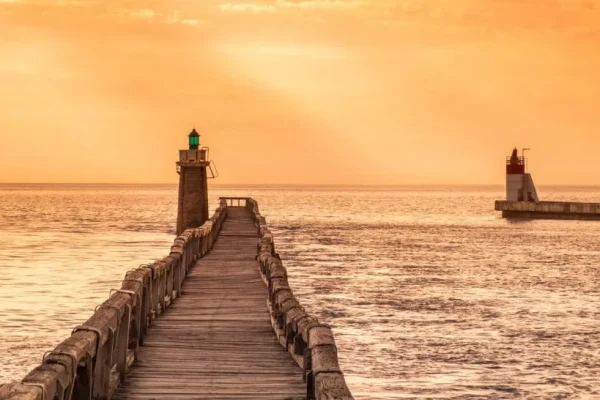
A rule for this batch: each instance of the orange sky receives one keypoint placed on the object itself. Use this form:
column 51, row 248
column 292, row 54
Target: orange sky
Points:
column 300, row 91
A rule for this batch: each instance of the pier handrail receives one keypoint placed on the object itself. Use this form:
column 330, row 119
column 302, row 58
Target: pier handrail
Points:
column 230, row 201
column 92, row 362
column 311, row 343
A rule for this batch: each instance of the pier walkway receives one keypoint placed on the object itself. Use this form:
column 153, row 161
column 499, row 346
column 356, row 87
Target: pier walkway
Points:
column 216, row 341
column 215, row 319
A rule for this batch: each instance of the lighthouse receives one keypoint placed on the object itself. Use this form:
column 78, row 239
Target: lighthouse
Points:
column 192, row 168
column 519, row 184
column 522, row 200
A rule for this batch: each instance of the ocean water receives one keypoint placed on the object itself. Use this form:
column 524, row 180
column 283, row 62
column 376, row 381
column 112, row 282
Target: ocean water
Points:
column 430, row 293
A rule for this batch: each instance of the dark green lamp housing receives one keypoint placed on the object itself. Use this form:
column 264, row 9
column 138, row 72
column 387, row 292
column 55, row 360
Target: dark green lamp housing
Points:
column 194, row 139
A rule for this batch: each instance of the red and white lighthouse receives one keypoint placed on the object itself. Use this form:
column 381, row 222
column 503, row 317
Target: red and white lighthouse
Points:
column 519, row 184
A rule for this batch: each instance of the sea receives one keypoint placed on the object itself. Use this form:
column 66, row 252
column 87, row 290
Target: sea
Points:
column 430, row 293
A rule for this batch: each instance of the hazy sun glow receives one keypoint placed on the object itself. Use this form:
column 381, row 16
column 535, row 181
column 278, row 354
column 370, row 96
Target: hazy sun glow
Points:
column 299, row 91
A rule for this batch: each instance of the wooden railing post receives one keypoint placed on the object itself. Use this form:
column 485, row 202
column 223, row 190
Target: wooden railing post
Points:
column 122, row 344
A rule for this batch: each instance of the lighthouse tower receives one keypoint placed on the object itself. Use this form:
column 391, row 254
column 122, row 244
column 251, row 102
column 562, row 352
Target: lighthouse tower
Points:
column 519, row 184
column 193, row 187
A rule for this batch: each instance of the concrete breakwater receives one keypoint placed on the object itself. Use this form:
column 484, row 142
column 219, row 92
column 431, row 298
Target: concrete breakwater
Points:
column 548, row 209
column 100, row 353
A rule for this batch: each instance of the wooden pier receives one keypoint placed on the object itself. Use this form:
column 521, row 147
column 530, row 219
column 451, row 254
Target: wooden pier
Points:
column 216, row 319
column 217, row 339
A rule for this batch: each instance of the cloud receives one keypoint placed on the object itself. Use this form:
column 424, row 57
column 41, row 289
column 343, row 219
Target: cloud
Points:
column 319, row 4
column 141, row 13
column 175, row 18
column 289, row 5
column 190, row 21
column 67, row 3
column 247, row 8
column 283, row 50
column 57, row 3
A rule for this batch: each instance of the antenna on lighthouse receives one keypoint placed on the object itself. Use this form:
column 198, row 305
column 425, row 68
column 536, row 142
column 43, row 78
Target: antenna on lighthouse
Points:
column 524, row 159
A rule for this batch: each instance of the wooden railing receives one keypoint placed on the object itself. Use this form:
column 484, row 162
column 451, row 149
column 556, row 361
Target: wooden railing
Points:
column 236, row 201
column 92, row 362
column 310, row 342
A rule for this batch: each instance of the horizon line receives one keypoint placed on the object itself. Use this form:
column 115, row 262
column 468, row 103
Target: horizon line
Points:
column 291, row 184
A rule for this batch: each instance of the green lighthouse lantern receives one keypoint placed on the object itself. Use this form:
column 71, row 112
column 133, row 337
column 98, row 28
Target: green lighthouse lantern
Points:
column 194, row 140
